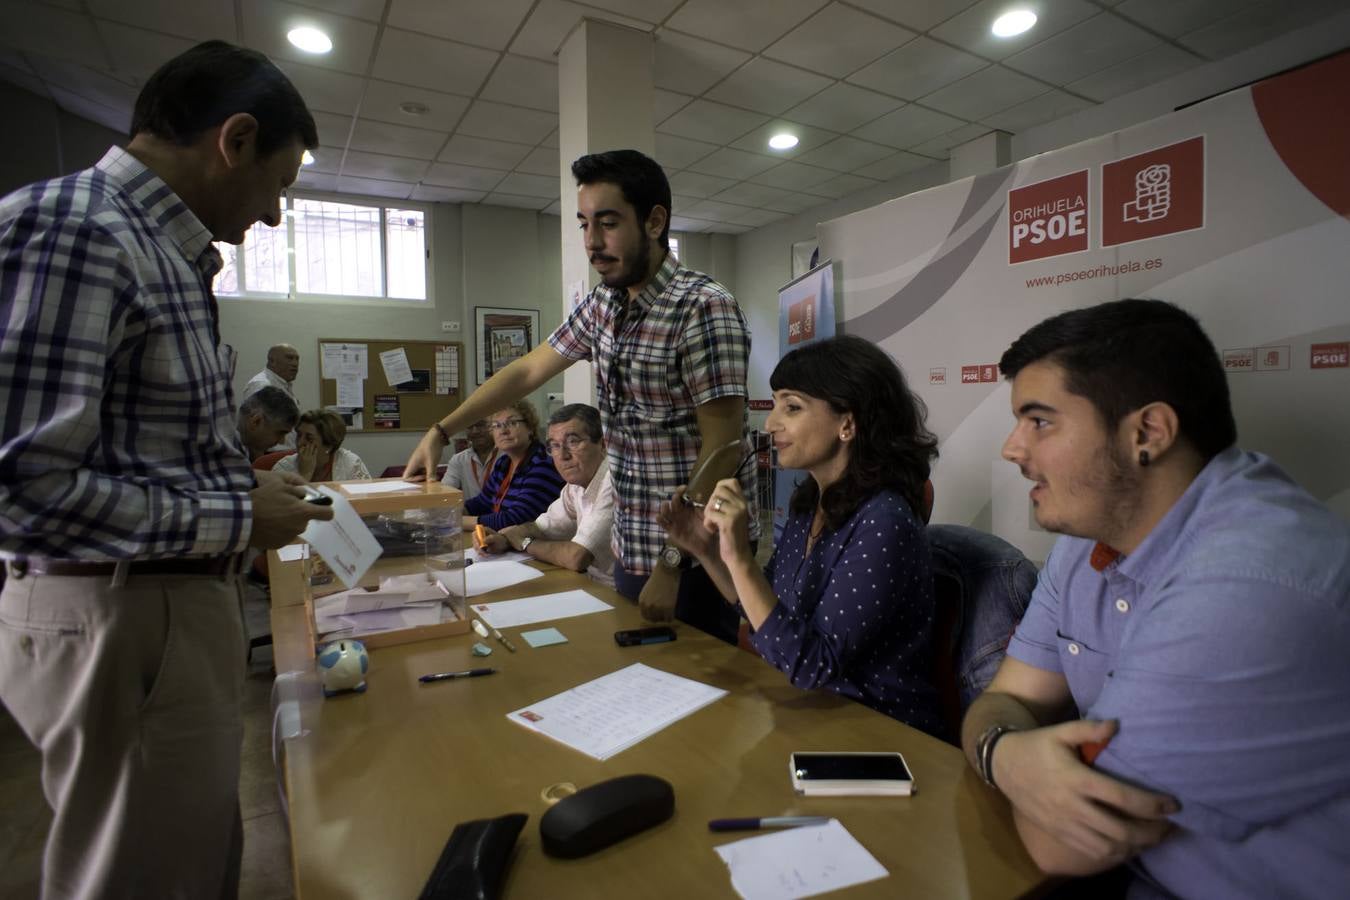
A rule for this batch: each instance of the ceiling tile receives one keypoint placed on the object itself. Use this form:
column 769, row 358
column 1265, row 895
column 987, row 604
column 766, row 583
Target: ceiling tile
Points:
column 808, row 138
column 472, row 151
column 464, row 177
column 524, row 82
column 53, row 32
column 267, row 21
column 316, row 181
column 432, row 63
column 1087, row 47
column 1037, row 111
column 715, row 211
column 724, row 228
column 970, row 29
column 383, row 99
column 328, row 160
column 674, row 153
column 940, row 146
column 551, row 22
column 199, row 21
column 1147, row 68
column 843, row 107
column 434, row 194
column 507, row 123
column 399, row 140
column 794, row 176
column 470, row 21
column 754, row 218
column 843, row 185
column 729, row 163
column 646, row 10
column 686, row 225
column 984, row 93
column 371, row 10
column 137, row 53
column 10, row 56
column 118, row 120
column 919, row 15
column 553, row 209
column 767, row 86
column 816, row 43
column 551, row 140
column 694, row 184
column 690, row 65
column 795, row 203
column 1176, row 17
column 749, row 24
column 530, row 185
column 333, row 129
column 704, row 120
column 666, row 103
column 324, row 89
column 519, row 202
column 377, row 165
column 908, row 126
column 374, row 187
column 895, row 166
column 748, row 194
column 541, row 161
column 844, row 154
column 918, row 68
column 24, row 79
column 1257, row 24
column 87, row 83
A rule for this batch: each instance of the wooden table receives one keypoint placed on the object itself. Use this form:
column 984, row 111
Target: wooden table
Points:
column 377, row 781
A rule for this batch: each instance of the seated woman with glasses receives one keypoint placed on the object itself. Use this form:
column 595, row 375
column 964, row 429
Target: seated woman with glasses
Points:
column 319, row 455
column 846, row 602
column 523, row 481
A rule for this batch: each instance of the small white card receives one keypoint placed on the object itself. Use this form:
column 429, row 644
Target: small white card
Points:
column 799, row 862
column 344, row 542
column 489, row 575
column 396, row 368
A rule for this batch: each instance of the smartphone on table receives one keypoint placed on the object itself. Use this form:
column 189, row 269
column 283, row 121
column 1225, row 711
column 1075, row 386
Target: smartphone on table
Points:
column 848, row 773
column 632, row 637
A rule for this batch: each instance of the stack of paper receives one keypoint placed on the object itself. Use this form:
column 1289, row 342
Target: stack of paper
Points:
column 403, row 601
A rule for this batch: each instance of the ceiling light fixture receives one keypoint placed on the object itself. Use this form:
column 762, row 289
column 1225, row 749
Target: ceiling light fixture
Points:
column 307, row 158
column 310, row 40
column 1013, row 23
column 783, row 141
column 413, row 108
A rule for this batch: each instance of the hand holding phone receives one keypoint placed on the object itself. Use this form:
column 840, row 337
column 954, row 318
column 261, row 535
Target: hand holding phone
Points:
column 657, row 634
column 316, row 496
column 850, row 773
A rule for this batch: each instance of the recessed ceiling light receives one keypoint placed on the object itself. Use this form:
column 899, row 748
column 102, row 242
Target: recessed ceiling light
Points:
column 783, row 141
column 413, row 108
column 1013, row 23
column 310, row 40
column 307, row 158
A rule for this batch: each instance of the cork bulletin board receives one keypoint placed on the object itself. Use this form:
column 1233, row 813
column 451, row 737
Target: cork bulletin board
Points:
column 354, row 381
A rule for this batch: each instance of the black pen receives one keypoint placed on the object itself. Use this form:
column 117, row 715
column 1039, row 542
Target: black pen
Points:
column 467, row 673
column 766, row 822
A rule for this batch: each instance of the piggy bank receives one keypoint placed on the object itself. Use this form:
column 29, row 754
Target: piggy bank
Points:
column 342, row 667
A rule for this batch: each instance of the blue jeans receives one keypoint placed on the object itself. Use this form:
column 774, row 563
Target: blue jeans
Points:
column 698, row 601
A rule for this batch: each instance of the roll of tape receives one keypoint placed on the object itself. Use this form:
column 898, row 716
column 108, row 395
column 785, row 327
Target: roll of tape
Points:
column 555, row 792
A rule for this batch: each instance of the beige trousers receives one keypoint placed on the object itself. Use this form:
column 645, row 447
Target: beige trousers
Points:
column 133, row 696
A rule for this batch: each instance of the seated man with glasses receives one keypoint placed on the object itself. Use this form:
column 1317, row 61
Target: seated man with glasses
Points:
column 522, row 482
column 577, row 530
column 468, row 470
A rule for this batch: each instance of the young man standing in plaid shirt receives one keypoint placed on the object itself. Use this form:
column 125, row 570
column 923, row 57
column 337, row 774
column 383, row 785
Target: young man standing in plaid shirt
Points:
column 671, row 350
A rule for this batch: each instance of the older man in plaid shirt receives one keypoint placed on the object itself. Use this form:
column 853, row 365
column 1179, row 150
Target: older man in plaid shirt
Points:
column 126, row 499
column 672, row 350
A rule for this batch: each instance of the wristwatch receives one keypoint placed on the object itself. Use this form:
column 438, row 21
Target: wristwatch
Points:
column 984, row 750
column 525, row 544
column 671, row 557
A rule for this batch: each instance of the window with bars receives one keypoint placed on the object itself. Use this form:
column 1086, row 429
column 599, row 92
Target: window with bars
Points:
column 331, row 248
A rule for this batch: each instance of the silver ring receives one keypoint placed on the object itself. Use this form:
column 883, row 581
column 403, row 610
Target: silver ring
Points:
column 717, row 504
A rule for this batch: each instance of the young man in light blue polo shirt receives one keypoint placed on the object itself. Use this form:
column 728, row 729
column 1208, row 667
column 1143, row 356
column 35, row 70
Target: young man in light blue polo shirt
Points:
column 1178, row 695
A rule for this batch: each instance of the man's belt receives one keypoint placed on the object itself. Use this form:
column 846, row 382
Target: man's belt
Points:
column 37, row 565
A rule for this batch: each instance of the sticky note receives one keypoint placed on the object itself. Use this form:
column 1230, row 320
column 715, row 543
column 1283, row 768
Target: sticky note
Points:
column 543, row 637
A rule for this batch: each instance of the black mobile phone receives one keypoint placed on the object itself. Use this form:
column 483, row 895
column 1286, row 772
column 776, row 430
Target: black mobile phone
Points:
column 317, row 497
column 657, row 634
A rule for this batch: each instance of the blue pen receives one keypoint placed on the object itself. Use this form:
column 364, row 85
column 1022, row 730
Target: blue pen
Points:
column 766, row 822
column 444, row 676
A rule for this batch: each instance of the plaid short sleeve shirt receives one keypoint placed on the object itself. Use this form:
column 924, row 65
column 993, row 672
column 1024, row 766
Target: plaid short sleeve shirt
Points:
column 117, row 432
column 680, row 344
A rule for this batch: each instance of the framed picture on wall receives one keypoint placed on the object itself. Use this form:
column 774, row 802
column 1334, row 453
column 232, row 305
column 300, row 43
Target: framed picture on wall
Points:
column 502, row 336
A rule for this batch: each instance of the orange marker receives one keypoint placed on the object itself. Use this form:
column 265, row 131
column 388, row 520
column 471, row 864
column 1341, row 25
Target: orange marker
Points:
column 480, row 536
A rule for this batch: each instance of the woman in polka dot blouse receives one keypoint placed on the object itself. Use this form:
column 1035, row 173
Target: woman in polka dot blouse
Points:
column 846, row 602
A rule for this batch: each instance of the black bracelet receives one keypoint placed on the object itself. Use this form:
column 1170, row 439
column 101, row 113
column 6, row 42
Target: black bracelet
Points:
column 441, row 431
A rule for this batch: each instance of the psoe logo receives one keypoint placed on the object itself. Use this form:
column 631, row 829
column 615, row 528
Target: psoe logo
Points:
column 1330, row 356
column 1151, row 194
column 937, row 375
column 1240, row 360
column 1049, row 218
column 802, row 320
column 970, row 374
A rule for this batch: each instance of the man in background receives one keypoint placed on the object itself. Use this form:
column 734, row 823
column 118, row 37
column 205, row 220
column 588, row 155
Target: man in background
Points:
column 265, row 418
column 576, row 531
column 283, row 364
column 1194, row 621
column 126, row 503
column 468, row 469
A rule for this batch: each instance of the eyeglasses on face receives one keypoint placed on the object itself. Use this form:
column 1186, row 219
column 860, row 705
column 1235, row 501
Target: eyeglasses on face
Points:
column 571, row 442
column 505, row 424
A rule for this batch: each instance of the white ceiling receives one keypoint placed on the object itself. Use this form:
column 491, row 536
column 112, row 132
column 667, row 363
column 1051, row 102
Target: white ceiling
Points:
column 874, row 88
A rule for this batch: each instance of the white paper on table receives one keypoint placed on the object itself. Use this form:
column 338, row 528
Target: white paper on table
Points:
column 292, row 552
column 612, row 713
column 396, row 368
column 508, row 556
column 350, row 391
column 359, row 488
column 345, row 359
column 344, row 542
column 799, row 862
column 544, row 608
column 484, row 576
column 356, row 624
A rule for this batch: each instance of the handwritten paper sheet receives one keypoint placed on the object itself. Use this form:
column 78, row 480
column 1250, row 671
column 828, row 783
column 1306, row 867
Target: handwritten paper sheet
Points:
column 396, row 368
column 344, row 542
column 799, row 862
column 612, row 713
column 350, row 390
column 544, row 608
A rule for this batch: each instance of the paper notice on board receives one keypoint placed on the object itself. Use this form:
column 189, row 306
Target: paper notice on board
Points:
column 396, row 368
column 350, row 391
column 345, row 359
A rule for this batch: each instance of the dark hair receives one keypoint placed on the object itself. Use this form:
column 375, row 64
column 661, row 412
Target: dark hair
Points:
column 202, row 87
column 587, row 415
column 332, row 430
column 1126, row 354
column 892, row 449
column 638, row 176
column 276, row 406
